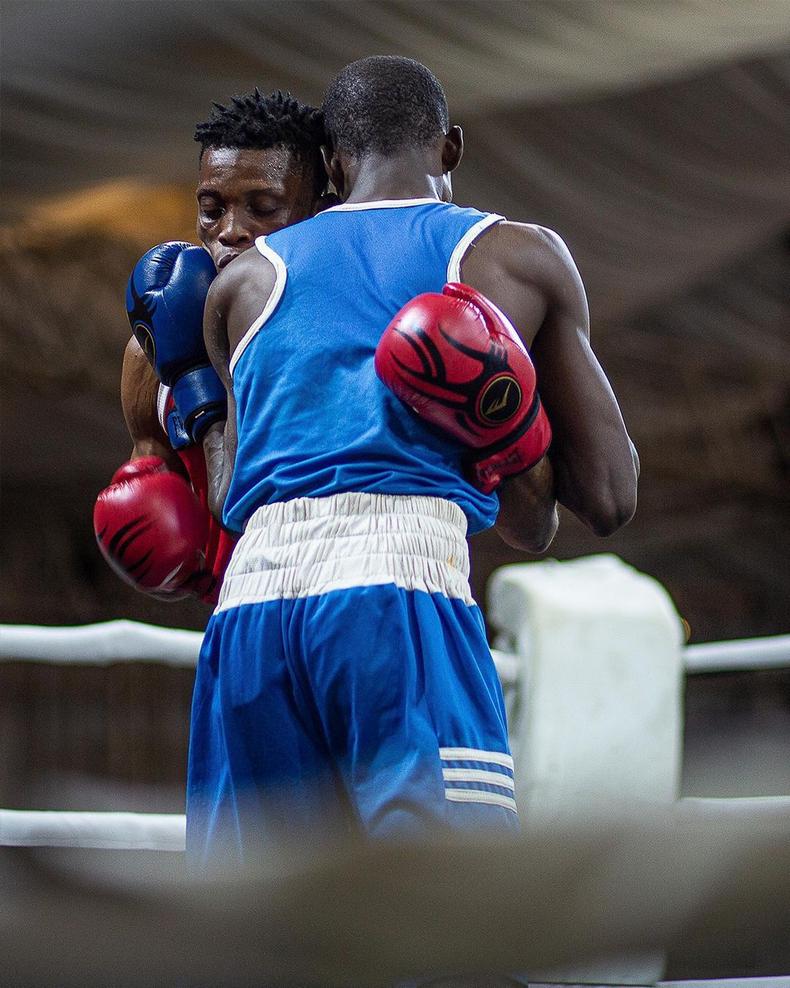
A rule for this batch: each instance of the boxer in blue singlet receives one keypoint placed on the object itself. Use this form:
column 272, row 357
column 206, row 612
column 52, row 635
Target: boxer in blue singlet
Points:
column 345, row 675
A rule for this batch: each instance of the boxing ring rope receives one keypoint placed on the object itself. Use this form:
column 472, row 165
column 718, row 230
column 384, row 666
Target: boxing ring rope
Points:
column 107, row 831
column 741, row 655
column 132, row 641
column 99, row 644
column 124, row 641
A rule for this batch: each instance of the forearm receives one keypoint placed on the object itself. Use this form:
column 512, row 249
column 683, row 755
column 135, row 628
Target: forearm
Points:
column 139, row 392
column 217, row 449
column 528, row 509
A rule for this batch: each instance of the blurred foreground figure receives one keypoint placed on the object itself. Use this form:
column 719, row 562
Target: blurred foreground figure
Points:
column 710, row 886
column 260, row 170
column 376, row 415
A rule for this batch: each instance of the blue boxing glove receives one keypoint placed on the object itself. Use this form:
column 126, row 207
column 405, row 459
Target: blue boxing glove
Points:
column 164, row 301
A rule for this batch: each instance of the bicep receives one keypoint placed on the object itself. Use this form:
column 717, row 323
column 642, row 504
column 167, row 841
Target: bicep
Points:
column 575, row 391
column 578, row 398
column 591, row 451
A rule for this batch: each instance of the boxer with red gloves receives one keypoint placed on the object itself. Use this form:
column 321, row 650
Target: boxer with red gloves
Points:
column 260, row 169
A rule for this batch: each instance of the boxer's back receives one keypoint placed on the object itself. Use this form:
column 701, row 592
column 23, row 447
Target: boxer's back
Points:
column 312, row 417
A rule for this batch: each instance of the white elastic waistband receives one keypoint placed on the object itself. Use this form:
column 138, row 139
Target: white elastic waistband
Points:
column 310, row 546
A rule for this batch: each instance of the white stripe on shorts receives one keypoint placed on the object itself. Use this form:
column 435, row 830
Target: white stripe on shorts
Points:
column 476, row 755
column 481, row 796
column 478, row 775
column 310, row 546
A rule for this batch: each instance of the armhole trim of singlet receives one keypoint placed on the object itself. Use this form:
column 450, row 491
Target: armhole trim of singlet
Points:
column 463, row 245
column 161, row 404
column 281, row 276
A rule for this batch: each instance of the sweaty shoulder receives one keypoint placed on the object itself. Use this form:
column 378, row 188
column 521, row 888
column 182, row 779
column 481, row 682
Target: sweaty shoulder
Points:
column 525, row 269
column 241, row 292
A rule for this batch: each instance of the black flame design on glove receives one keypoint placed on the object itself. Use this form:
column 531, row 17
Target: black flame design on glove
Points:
column 486, row 401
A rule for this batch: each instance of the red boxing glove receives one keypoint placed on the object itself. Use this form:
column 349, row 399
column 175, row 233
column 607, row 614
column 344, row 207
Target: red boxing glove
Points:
column 457, row 361
column 152, row 530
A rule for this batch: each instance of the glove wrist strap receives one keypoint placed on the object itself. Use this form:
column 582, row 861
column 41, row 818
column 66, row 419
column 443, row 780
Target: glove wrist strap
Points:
column 516, row 453
column 200, row 399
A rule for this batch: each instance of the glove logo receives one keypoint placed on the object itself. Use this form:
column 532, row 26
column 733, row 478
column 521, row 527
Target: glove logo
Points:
column 140, row 315
column 144, row 337
column 501, row 400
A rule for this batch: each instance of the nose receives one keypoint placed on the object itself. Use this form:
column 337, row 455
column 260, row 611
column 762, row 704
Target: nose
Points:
column 234, row 231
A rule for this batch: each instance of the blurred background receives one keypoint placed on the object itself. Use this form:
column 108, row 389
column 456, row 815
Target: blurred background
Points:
column 654, row 137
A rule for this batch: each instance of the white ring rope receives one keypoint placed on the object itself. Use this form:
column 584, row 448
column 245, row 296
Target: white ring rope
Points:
column 110, row 831
column 99, row 644
column 738, row 656
column 132, row 641
column 166, row 831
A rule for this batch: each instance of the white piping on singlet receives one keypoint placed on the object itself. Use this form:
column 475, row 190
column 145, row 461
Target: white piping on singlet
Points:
column 463, row 245
column 378, row 204
column 281, row 276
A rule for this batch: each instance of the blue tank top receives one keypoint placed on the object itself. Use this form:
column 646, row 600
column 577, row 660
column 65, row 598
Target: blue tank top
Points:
column 312, row 417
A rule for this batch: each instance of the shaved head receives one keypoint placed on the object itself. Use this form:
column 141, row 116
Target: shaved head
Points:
column 384, row 104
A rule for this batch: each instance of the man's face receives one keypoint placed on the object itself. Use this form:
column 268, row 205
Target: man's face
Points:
column 245, row 193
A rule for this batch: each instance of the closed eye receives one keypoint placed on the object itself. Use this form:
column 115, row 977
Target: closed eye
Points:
column 211, row 209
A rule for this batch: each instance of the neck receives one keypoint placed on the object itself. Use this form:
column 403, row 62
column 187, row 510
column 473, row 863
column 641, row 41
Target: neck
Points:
column 405, row 176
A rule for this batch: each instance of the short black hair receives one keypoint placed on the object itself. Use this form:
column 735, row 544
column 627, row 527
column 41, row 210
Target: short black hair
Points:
column 261, row 122
column 383, row 104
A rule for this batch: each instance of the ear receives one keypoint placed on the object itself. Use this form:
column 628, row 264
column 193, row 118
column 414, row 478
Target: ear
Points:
column 333, row 168
column 452, row 149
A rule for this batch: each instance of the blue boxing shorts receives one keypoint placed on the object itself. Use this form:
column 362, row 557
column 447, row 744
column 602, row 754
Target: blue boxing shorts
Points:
column 345, row 681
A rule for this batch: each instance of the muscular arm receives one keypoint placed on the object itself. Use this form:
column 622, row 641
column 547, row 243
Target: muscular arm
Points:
column 139, row 393
column 219, row 443
column 595, row 463
column 236, row 298
column 528, row 509
column 529, row 272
